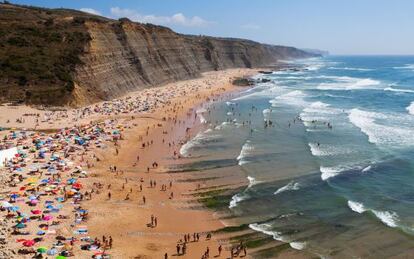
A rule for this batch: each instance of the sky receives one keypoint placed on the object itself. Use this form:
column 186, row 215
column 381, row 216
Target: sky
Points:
column 342, row 27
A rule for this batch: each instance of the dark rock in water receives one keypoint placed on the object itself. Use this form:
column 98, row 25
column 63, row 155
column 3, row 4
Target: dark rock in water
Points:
column 243, row 82
column 265, row 80
column 265, row 72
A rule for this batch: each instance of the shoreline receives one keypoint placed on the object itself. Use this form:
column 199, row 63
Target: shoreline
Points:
column 98, row 206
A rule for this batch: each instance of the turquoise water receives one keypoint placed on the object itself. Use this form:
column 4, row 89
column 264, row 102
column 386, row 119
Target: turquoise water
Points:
column 334, row 173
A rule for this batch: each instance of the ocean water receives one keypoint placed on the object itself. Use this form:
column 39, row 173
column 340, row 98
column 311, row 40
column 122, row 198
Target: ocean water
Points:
column 334, row 173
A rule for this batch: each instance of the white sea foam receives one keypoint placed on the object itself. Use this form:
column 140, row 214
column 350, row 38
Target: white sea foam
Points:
column 407, row 66
column 318, row 111
column 292, row 186
column 298, row 245
column 348, row 83
column 243, row 195
column 329, row 172
column 252, row 181
column 230, row 103
column 200, row 139
column 200, row 113
column 237, row 198
column 410, row 108
column 351, row 68
column 245, row 151
column 223, row 125
column 295, row 98
column 327, row 150
column 395, row 134
column 389, row 218
column 366, row 169
column 356, row 206
column 398, row 90
column 265, row 229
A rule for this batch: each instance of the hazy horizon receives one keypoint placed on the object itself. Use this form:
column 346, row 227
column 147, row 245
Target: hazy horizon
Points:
column 343, row 28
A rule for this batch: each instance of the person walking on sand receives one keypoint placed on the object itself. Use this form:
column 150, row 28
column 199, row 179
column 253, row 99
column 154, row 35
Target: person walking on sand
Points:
column 110, row 242
column 184, row 248
column 155, row 222
column 178, row 249
column 109, row 195
column 165, row 256
column 144, row 199
column 220, row 248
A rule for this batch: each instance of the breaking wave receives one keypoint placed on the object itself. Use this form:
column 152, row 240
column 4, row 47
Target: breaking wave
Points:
column 292, row 186
column 237, row 198
column 265, row 229
column 298, row 245
column 200, row 139
column 246, row 150
column 348, row 83
column 389, row 218
column 327, row 150
column 398, row 90
column 294, row 98
column 200, row 113
column 378, row 133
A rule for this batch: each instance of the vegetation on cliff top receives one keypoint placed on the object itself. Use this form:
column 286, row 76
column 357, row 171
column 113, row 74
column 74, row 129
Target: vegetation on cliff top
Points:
column 39, row 50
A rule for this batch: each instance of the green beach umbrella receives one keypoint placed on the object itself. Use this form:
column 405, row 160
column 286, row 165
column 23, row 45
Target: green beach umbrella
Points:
column 42, row 250
column 60, row 257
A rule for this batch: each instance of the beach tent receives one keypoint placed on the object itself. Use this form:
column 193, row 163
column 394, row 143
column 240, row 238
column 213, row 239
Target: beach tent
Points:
column 7, row 154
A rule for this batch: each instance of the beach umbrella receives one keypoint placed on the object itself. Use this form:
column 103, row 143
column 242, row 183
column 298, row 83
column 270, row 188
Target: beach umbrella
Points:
column 32, row 197
column 20, row 225
column 60, row 257
column 40, row 233
column 14, row 196
column 52, row 251
column 47, row 217
column 41, row 250
column 6, row 204
column 34, row 202
column 29, row 243
column 14, row 208
column 77, row 185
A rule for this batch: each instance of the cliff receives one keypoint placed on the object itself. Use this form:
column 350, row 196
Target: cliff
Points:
column 66, row 57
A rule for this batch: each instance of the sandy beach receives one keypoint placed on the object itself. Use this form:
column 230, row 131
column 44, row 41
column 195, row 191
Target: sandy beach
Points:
column 117, row 179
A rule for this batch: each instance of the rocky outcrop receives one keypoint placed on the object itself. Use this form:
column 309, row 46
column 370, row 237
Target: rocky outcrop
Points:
column 116, row 57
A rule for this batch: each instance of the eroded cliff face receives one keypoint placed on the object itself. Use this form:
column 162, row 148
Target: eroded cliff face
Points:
column 113, row 57
column 126, row 56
